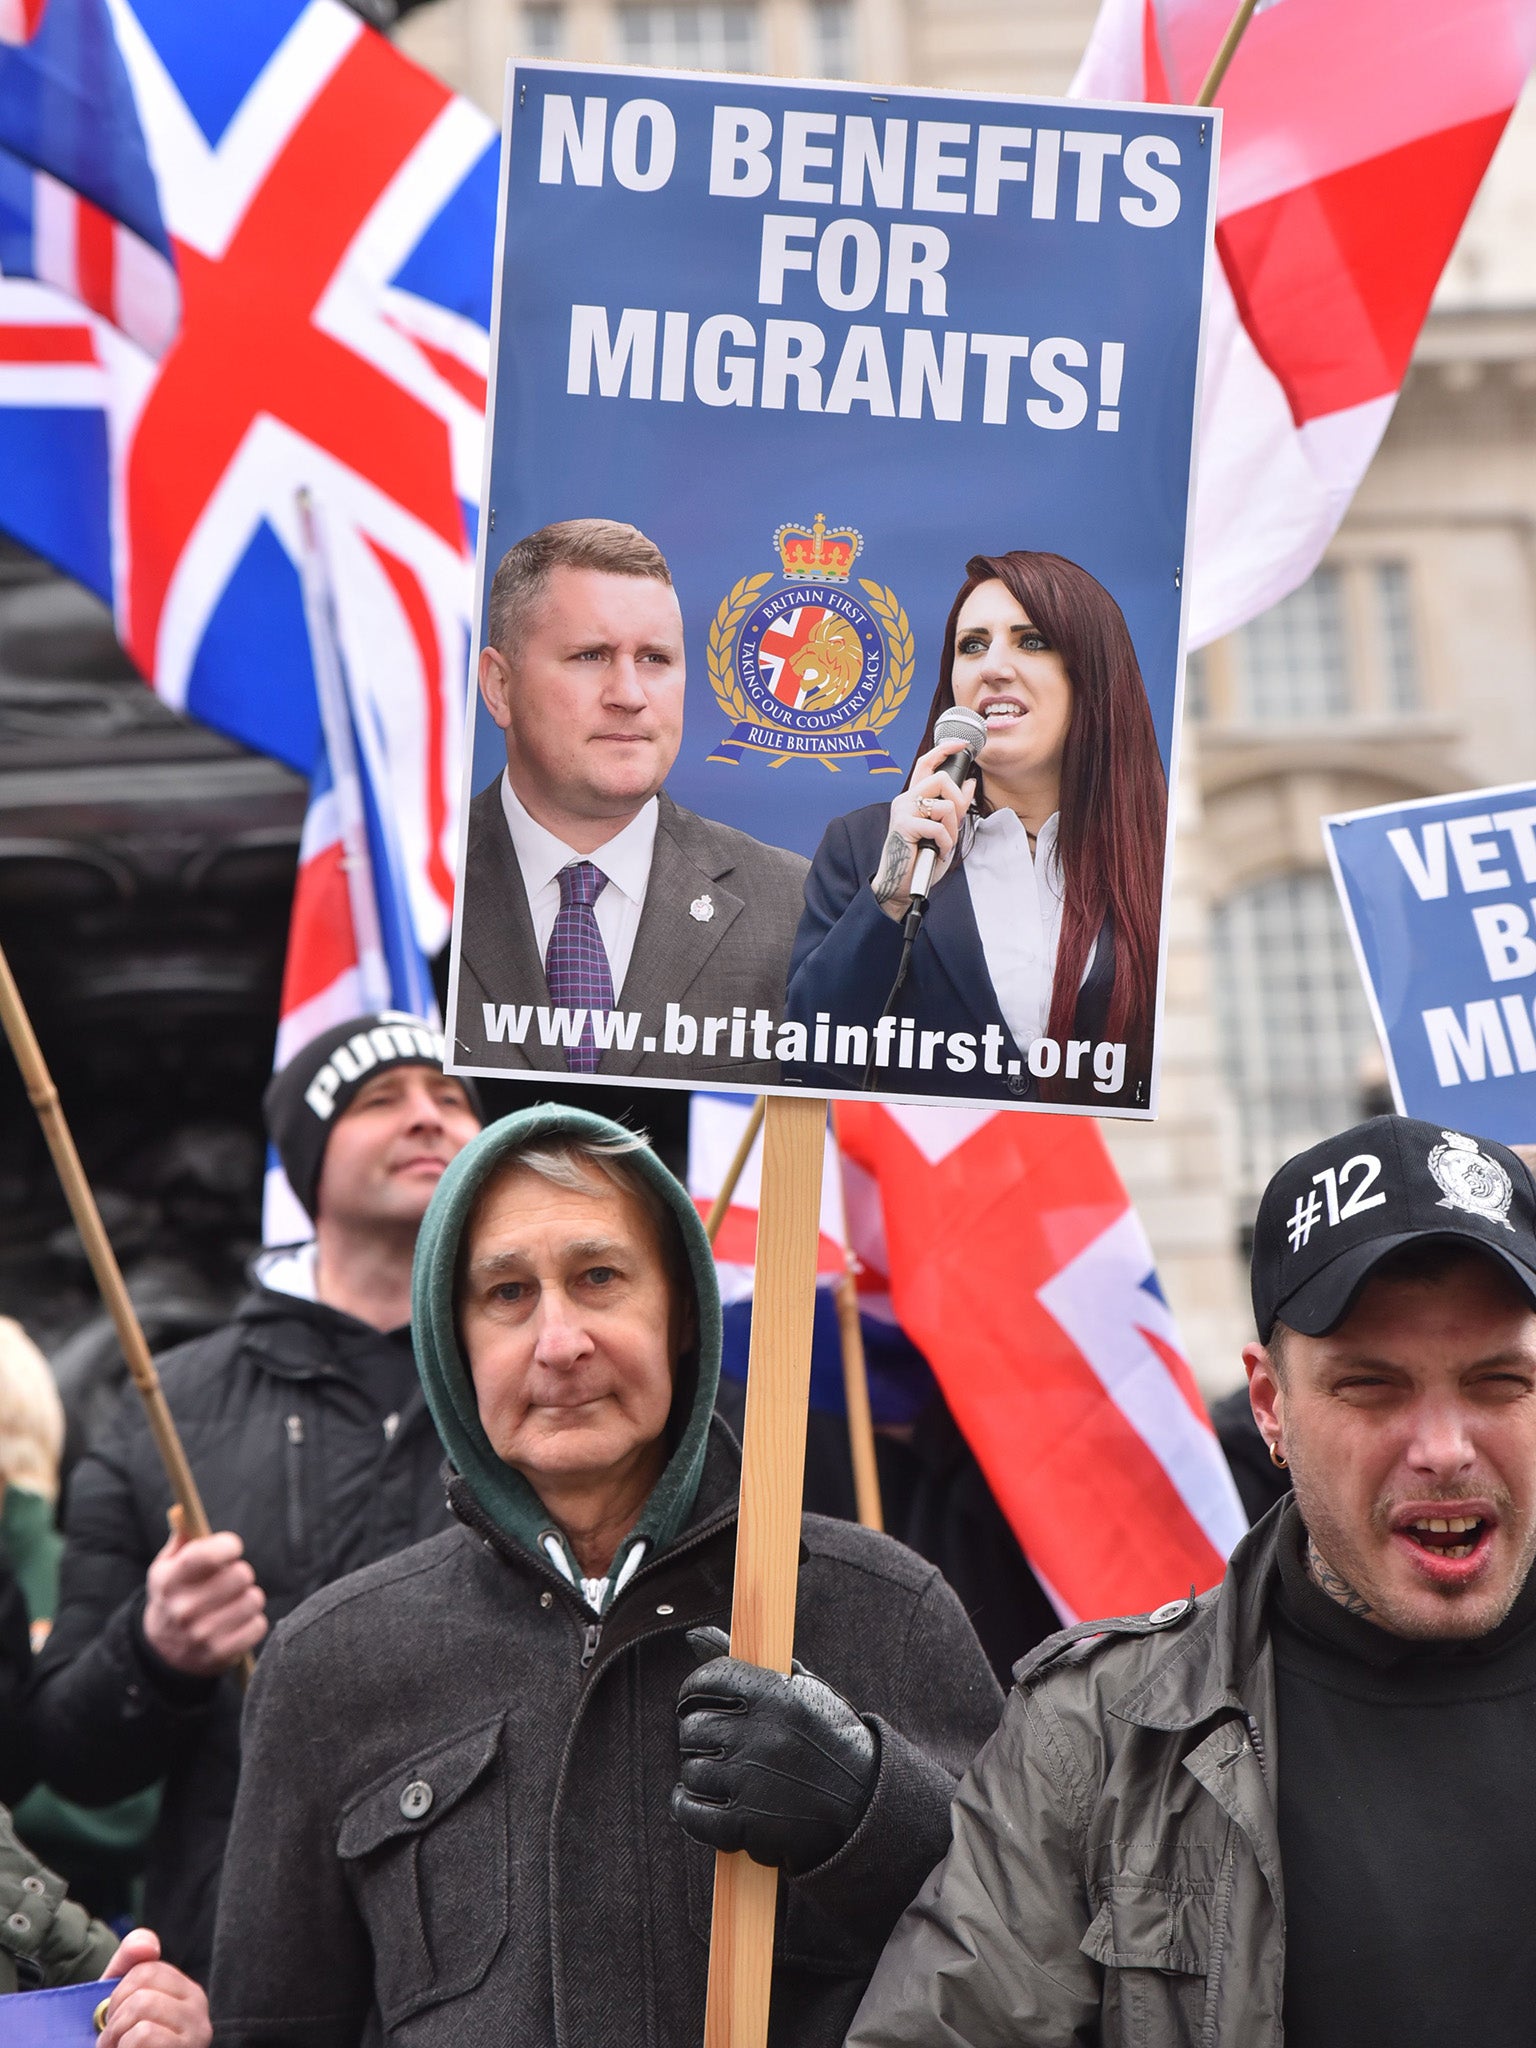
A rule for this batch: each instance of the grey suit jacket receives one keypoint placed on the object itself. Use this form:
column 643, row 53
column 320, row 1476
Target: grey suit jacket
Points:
column 685, row 967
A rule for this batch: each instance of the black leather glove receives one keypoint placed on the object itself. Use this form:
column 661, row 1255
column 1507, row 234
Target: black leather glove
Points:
column 780, row 1767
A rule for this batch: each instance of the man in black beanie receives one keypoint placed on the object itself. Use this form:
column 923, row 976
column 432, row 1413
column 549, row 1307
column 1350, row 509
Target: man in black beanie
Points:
column 307, row 1431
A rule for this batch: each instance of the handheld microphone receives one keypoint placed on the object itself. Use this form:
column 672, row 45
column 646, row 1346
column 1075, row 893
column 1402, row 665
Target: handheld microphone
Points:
column 954, row 724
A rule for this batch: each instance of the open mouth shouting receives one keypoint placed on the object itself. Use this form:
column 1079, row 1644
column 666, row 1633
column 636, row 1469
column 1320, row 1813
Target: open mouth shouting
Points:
column 1451, row 1547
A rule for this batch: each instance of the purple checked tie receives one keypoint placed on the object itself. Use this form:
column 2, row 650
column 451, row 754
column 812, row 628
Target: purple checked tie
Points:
column 576, row 966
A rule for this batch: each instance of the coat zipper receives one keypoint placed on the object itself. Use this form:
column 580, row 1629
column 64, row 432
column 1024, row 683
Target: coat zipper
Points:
column 590, row 1642
column 294, row 1429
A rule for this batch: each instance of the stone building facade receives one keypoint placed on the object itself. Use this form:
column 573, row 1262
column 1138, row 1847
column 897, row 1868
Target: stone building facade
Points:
column 1407, row 666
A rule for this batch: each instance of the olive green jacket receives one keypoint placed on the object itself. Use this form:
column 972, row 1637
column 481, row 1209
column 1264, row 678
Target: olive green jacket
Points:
column 45, row 1938
column 1113, row 1878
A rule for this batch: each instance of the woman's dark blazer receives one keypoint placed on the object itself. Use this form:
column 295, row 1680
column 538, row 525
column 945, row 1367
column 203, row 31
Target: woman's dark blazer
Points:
column 847, row 951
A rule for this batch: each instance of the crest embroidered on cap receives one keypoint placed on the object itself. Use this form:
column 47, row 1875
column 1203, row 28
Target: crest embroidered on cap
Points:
column 1470, row 1180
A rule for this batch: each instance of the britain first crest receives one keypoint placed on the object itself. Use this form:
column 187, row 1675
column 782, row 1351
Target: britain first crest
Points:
column 1470, row 1180
column 803, row 668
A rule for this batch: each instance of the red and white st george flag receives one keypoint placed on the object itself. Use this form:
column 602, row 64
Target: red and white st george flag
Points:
column 19, row 19
column 1019, row 1268
column 1355, row 135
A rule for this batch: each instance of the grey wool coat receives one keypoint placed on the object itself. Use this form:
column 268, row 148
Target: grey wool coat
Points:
column 453, row 1825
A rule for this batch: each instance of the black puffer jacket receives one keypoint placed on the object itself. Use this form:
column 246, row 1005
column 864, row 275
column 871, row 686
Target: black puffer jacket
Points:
column 309, row 1437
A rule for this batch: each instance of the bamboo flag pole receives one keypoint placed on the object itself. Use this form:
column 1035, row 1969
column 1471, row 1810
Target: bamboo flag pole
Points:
column 44, row 1098
column 768, row 1532
column 1237, row 28
column 861, row 1428
column 734, row 1171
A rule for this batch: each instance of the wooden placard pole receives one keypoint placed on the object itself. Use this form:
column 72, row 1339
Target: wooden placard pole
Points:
column 44, row 1097
column 768, row 1532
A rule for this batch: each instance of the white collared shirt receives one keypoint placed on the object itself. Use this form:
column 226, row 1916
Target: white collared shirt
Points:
column 625, row 859
column 1017, row 897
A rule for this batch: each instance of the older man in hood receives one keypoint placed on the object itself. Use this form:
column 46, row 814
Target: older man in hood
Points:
column 463, row 1816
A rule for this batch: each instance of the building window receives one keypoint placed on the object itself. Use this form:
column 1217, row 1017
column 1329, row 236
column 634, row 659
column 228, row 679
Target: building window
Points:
column 832, row 39
column 1295, row 1027
column 1394, row 624
column 1294, row 658
column 1342, row 646
column 690, row 37
column 543, row 28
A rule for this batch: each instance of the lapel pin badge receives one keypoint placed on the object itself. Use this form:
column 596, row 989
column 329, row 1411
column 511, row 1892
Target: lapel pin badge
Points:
column 702, row 908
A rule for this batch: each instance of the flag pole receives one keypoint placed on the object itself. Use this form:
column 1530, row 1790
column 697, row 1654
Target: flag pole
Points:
column 850, row 1330
column 768, row 1530
column 861, row 1428
column 1236, row 29
column 734, row 1171
column 189, row 1516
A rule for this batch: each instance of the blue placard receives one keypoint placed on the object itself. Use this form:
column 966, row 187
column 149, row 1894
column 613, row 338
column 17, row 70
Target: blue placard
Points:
column 63, row 2018
column 1439, row 899
column 822, row 344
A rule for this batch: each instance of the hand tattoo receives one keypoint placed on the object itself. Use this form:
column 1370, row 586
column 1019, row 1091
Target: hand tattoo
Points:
column 893, row 868
column 1335, row 1585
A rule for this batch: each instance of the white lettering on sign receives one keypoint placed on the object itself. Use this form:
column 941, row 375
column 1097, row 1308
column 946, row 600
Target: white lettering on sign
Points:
column 1468, row 1047
column 614, row 356
column 1425, row 868
column 1503, row 932
column 818, row 158
column 1474, row 853
column 561, row 139
column 1521, row 827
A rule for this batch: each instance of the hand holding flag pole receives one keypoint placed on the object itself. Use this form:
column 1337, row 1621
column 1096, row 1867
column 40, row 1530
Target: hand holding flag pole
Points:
column 189, row 1516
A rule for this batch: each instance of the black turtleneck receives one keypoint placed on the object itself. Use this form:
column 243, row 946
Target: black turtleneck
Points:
column 1407, row 1809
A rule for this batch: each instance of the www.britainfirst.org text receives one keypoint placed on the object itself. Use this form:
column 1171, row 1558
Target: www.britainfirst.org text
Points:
column 896, row 1042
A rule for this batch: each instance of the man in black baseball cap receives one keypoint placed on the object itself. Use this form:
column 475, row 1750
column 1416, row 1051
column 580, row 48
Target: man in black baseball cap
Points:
column 311, row 1442
column 1309, row 1794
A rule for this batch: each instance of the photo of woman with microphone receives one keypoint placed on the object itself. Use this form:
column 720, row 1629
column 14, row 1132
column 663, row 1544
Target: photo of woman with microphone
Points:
column 994, row 930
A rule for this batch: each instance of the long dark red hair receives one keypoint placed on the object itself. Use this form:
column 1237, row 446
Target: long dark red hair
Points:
column 1114, row 794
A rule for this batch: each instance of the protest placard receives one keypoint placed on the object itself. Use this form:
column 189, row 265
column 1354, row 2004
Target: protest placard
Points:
column 823, row 347
column 1438, row 895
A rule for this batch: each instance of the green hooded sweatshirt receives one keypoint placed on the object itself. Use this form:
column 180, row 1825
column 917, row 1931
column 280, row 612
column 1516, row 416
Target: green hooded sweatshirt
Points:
column 504, row 1494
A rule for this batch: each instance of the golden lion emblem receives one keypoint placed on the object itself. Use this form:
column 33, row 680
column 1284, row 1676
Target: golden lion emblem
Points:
column 828, row 665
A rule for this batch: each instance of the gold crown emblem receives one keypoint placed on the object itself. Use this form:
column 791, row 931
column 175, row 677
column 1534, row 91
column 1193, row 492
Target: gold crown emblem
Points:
column 816, row 555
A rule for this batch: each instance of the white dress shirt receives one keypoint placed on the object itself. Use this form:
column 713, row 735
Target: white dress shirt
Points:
column 1017, row 897
column 625, row 859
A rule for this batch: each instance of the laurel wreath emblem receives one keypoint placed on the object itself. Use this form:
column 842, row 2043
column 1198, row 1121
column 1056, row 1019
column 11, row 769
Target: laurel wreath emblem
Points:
column 898, row 639
column 740, row 600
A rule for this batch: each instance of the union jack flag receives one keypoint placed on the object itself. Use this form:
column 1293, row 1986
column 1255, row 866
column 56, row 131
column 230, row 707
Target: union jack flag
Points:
column 249, row 411
column 327, row 217
column 79, row 206
column 1007, row 1250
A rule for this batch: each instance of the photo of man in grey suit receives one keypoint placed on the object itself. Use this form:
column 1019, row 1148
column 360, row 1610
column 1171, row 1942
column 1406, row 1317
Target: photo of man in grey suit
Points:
column 604, row 929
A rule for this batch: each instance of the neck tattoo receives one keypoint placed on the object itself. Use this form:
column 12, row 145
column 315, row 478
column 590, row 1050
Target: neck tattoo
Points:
column 1335, row 1585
